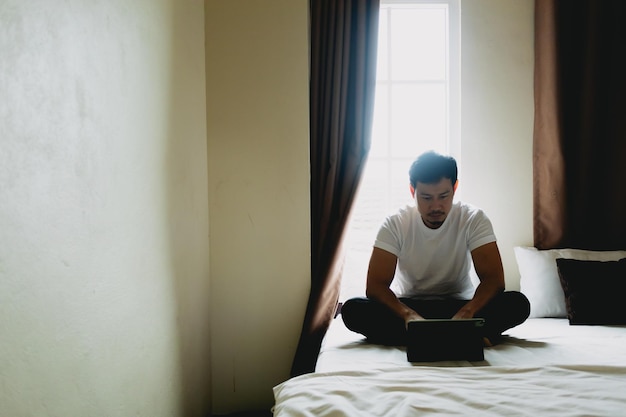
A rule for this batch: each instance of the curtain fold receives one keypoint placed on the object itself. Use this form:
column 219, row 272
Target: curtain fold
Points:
column 579, row 147
column 344, row 36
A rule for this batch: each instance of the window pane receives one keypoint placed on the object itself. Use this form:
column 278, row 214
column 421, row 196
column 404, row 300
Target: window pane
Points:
column 419, row 43
column 418, row 119
column 382, row 50
column 380, row 127
column 373, row 194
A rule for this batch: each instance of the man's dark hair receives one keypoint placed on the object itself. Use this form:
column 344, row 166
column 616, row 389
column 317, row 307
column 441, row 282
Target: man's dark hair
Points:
column 430, row 167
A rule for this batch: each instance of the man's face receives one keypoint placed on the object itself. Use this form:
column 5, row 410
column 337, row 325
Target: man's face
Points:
column 434, row 201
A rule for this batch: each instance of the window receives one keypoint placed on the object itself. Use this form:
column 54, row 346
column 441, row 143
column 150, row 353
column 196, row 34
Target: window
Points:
column 416, row 109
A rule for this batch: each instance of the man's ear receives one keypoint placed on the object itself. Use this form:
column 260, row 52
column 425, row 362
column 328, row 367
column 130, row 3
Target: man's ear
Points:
column 456, row 184
column 412, row 190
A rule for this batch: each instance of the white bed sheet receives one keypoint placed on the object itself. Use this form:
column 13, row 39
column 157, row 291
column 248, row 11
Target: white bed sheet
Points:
column 535, row 342
column 544, row 367
column 430, row 391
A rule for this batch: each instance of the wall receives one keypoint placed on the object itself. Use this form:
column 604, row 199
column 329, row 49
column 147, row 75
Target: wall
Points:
column 103, row 209
column 497, row 119
column 258, row 143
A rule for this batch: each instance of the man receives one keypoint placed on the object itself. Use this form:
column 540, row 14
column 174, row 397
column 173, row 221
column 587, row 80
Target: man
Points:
column 421, row 261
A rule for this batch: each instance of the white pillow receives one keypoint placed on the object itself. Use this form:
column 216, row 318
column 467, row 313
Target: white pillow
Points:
column 539, row 277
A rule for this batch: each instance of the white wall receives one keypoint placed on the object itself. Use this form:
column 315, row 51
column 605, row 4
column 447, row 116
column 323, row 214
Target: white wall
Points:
column 103, row 209
column 257, row 95
column 497, row 119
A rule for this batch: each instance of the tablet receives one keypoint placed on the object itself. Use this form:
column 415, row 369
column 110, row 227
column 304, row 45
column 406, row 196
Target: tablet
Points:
column 433, row 340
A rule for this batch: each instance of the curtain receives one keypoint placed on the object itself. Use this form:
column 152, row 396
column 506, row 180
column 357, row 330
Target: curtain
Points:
column 343, row 34
column 579, row 145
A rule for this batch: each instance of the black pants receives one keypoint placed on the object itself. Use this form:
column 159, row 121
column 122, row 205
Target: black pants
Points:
column 380, row 325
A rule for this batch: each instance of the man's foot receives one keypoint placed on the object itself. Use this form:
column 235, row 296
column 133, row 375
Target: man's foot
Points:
column 491, row 340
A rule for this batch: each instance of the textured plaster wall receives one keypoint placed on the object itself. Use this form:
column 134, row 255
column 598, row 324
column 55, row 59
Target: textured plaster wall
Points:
column 257, row 118
column 103, row 209
column 497, row 119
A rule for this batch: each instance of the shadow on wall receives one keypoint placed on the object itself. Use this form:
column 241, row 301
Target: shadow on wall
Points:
column 185, row 166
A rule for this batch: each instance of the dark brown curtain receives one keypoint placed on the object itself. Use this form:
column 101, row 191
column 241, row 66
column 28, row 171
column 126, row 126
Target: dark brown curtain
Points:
column 344, row 35
column 579, row 153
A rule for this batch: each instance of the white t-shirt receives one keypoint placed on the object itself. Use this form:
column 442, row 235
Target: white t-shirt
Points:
column 435, row 263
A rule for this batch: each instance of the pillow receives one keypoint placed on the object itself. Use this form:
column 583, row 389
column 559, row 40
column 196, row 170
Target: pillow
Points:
column 539, row 277
column 594, row 291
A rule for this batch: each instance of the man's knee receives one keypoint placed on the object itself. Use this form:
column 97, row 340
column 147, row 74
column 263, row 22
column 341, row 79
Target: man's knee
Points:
column 512, row 307
column 352, row 311
column 519, row 304
column 373, row 320
column 506, row 310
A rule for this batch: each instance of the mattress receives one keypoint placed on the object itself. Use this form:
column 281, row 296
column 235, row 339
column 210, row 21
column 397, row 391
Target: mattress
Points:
column 543, row 367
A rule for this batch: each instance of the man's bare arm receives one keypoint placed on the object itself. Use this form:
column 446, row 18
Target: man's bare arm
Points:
column 488, row 265
column 380, row 273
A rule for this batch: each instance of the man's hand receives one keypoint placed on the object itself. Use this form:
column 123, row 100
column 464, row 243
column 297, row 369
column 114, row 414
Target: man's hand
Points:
column 463, row 313
column 411, row 316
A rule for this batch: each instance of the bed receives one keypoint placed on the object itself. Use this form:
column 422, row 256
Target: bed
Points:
column 554, row 364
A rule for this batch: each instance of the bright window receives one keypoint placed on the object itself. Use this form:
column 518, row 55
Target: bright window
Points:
column 416, row 109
